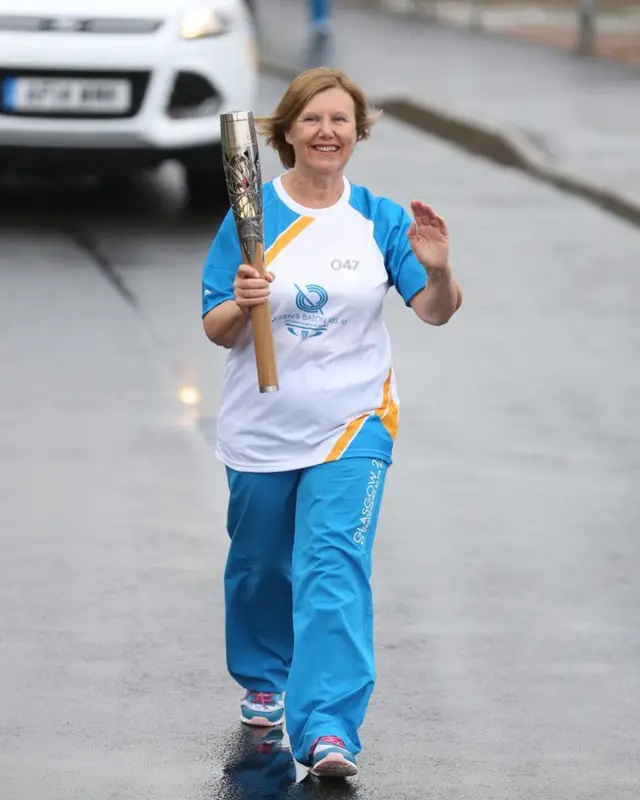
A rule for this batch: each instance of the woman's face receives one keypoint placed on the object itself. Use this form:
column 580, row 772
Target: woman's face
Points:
column 324, row 134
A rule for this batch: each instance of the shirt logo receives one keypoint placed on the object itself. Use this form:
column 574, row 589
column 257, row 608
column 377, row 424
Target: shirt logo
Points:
column 310, row 300
column 309, row 320
column 305, row 302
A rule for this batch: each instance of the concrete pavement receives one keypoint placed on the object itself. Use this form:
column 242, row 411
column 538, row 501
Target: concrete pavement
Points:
column 506, row 561
column 571, row 122
column 109, row 572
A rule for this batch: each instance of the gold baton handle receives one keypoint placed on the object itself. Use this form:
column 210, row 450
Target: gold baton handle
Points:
column 263, row 336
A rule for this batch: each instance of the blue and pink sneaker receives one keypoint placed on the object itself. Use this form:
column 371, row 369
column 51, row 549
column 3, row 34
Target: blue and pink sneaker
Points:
column 263, row 709
column 331, row 759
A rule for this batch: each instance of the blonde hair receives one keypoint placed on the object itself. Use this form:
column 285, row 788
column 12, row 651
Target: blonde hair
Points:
column 300, row 92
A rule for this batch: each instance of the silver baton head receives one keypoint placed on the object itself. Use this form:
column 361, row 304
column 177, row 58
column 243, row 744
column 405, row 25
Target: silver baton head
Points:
column 241, row 160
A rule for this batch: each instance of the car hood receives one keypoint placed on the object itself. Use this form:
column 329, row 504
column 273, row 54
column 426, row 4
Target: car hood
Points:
column 100, row 8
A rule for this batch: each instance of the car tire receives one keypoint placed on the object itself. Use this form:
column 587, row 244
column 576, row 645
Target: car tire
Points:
column 205, row 184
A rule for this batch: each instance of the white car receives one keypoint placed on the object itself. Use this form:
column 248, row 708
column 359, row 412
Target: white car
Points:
column 112, row 85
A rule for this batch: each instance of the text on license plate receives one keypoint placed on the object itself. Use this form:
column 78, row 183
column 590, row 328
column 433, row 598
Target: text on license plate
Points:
column 88, row 95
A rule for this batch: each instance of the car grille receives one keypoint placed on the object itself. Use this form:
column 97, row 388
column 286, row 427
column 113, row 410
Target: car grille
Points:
column 62, row 24
column 139, row 83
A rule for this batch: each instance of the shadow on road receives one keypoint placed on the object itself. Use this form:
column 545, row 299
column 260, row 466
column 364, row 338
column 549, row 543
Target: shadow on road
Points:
column 143, row 199
column 259, row 766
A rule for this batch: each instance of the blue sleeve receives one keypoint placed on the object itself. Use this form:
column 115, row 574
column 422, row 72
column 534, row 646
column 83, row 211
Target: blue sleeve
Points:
column 222, row 263
column 406, row 273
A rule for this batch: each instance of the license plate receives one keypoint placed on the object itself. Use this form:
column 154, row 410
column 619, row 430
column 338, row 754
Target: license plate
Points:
column 70, row 95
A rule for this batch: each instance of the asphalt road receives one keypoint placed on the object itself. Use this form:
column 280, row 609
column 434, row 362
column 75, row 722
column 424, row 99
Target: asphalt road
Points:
column 578, row 114
column 507, row 555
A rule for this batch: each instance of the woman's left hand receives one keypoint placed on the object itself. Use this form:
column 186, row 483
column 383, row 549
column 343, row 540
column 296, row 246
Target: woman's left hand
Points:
column 429, row 237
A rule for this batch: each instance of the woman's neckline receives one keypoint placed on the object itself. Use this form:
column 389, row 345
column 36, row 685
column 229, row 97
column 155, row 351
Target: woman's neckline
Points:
column 306, row 210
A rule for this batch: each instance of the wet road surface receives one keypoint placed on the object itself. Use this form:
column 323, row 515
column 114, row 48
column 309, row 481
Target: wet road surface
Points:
column 507, row 555
column 579, row 114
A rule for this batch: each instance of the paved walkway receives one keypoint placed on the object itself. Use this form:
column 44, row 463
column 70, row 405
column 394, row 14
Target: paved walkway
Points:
column 583, row 115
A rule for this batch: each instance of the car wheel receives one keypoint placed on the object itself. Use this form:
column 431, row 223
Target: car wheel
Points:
column 206, row 186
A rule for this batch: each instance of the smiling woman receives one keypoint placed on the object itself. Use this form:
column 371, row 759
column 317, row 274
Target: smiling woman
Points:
column 306, row 466
column 314, row 95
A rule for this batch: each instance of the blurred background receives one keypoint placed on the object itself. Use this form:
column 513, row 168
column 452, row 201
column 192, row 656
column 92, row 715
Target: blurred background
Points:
column 608, row 28
column 508, row 551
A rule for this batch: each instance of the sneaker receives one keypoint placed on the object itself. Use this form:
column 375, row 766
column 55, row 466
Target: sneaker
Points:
column 264, row 709
column 331, row 759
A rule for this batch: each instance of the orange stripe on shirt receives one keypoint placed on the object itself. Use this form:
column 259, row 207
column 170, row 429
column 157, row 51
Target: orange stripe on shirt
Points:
column 391, row 419
column 347, row 437
column 386, row 396
column 286, row 237
column 389, row 411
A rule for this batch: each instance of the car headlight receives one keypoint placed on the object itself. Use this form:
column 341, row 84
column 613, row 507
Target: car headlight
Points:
column 203, row 21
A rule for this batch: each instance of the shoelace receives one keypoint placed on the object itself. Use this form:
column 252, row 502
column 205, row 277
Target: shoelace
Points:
column 263, row 698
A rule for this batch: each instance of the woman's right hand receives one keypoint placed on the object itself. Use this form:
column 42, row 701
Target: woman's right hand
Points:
column 249, row 289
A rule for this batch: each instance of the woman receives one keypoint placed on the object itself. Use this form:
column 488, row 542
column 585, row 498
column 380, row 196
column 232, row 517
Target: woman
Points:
column 306, row 466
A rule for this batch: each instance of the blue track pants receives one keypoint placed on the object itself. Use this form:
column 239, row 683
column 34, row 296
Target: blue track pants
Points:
column 299, row 610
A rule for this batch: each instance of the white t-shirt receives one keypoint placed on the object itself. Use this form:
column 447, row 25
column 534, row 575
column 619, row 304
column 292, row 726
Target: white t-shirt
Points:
column 333, row 269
